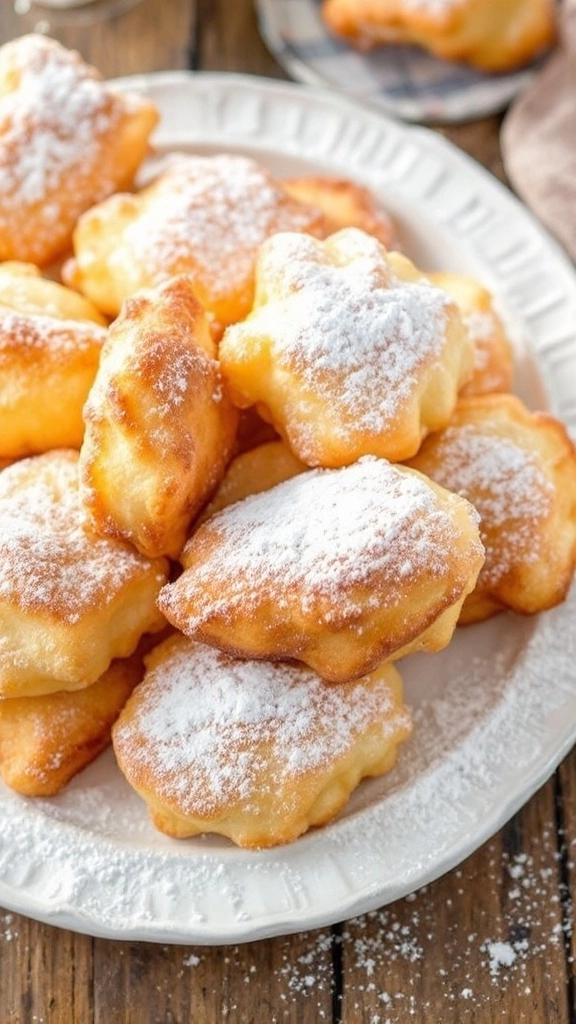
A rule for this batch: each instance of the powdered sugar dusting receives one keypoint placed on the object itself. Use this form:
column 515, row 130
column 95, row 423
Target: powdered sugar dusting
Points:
column 27, row 334
column 47, row 562
column 214, row 730
column 348, row 327
column 508, row 488
column 50, row 123
column 173, row 368
column 481, row 325
column 209, row 215
column 485, row 726
column 344, row 529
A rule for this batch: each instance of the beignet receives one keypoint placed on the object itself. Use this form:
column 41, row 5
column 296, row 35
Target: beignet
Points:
column 67, row 140
column 204, row 216
column 344, row 204
column 46, row 740
column 159, row 425
column 69, row 603
column 341, row 569
column 348, row 351
column 24, row 290
column 253, row 751
column 518, row 469
column 50, row 344
column 493, row 368
column 491, row 35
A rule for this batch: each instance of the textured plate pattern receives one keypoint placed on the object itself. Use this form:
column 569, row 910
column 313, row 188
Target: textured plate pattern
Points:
column 401, row 80
column 495, row 712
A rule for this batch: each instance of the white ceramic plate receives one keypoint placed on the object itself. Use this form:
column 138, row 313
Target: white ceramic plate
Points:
column 404, row 81
column 494, row 713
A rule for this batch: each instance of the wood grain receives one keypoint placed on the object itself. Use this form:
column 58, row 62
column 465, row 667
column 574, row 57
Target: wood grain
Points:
column 490, row 942
column 228, row 40
column 437, row 956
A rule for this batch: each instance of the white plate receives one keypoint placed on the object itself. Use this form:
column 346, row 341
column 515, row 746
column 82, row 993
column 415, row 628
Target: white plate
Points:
column 495, row 712
column 401, row 80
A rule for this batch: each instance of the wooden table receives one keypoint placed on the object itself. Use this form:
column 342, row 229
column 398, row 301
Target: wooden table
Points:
column 432, row 958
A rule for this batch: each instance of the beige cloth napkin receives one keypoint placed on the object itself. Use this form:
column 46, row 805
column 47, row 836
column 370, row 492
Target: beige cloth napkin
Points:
column 538, row 138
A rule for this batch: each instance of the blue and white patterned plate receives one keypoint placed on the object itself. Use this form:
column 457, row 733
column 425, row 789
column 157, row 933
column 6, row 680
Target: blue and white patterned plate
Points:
column 404, row 81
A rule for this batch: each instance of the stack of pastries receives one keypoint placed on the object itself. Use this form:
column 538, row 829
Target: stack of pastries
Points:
column 283, row 458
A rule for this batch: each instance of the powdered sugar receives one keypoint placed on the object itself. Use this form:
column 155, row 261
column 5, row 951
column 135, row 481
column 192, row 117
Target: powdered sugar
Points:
column 215, row 732
column 47, row 562
column 504, row 481
column 169, row 365
column 23, row 335
column 209, row 215
column 501, row 954
column 50, row 123
column 350, row 331
column 368, row 523
column 480, row 325
column 90, row 861
column 485, row 726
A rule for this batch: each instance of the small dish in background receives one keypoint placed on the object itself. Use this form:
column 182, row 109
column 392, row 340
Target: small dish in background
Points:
column 403, row 81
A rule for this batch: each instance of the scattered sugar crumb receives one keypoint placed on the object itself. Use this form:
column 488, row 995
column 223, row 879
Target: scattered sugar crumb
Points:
column 192, row 961
column 398, row 944
column 502, row 954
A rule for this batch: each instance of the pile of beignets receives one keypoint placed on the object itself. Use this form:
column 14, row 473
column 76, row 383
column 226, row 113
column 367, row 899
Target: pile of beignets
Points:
column 251, row 457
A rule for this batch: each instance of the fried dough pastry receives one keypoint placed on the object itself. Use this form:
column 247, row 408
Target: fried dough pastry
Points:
column 341, row 569
column 254, row 751
column 46, row 740
column 67, row 141
column 348, row 351
column 519, row 471
column 493, row 354
column 160, row 428
column 50, row 344
column 252, row 472
column 69, row 603
column 204, row 216
column 491, row 35
column 24, row 290
column 344, row 204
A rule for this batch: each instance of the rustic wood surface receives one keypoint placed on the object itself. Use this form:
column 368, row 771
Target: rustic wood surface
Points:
column 433, row 957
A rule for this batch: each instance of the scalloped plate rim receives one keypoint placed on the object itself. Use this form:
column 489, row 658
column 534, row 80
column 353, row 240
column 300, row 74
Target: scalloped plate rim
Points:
column 167, row 927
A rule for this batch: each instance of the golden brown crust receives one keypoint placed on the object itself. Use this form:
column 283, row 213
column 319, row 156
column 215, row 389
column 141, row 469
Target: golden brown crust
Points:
column 341, row 569
column 490, row 36
column 69, row 603
column 50, row 344
column 493, row 368
column 66, row 141
column 349, row 350
column 256, row 752
column 160, row 428
column 24, row 290
column 202, row 216
column 46, row 740
column 518, row 469
column 344, row 204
